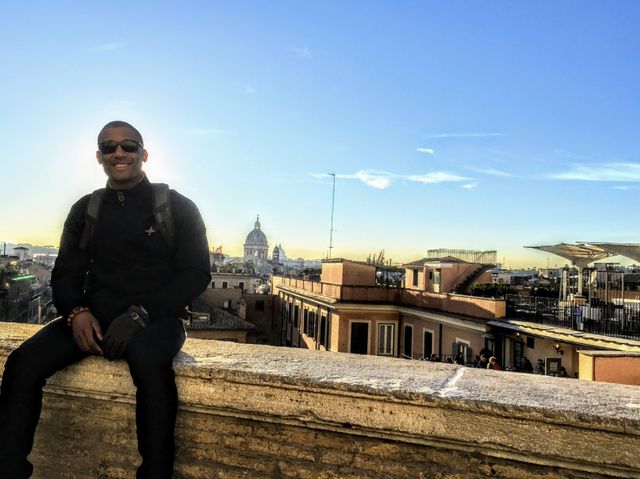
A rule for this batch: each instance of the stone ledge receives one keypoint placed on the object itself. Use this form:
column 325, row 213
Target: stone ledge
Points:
column 568, row 427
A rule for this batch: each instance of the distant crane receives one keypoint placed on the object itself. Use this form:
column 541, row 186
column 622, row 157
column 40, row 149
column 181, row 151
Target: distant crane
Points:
column 377, row 260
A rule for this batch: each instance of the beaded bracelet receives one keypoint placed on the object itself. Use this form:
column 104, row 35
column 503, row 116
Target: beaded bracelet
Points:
column 75, row 312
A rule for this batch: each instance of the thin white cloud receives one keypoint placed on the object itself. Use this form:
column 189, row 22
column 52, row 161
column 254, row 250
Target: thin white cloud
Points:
column 208, row 132
column 429, row 151
column 479, row 134
column 374, row 179
column 624, row 188
column 470, row 186
column 436, row 177
column 382, row 180
column 300, row 52
column 108, row 47
column 602, row 172
column 493, row 172
column 249, row 90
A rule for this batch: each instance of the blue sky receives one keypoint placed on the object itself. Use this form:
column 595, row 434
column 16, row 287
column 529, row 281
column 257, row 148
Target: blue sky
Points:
column 457, row 124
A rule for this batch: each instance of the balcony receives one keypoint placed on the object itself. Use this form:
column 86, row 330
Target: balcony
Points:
column 608, row 318
column 484, row 308
column 267, row 412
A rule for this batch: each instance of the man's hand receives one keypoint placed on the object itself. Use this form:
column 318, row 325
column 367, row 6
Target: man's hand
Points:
column 86, row 330
column 122, row 329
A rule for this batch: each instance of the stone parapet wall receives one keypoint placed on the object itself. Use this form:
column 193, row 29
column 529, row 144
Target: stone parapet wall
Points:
column 268, row 412
column 475, row 306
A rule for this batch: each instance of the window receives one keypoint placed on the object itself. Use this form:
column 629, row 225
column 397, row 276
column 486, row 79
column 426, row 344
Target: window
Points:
column 305, row 320
column 415, row 277
column 225, row 285
column 287, row 313
column 408, row 341
column 241, row 285
column 530, row 342
column 385, row 339
column 283, row 319
column 283, row 310
column 517, row 354
column 436, row 277
column 463, row 347
column 260, row 305
column 323, row 331
column 427, row 347
column 312, row 324
column 213, row 284
column 359, row 337
column 296, row 314
column 430, row 275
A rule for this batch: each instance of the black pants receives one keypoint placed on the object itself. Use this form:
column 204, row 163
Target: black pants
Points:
column 150, row 358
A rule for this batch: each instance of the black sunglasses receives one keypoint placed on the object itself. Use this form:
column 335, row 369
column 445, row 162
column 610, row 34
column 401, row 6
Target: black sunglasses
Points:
column 110, row 146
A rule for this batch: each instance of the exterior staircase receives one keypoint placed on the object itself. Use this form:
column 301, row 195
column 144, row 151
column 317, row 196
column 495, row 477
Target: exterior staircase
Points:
column 465, row 286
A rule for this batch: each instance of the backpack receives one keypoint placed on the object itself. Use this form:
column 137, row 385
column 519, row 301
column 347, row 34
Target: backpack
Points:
column 161, row 213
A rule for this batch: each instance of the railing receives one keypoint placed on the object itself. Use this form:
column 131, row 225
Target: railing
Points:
column 469, row 255
column 614, row 318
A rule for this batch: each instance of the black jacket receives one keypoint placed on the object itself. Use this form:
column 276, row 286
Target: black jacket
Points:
column 127, row 263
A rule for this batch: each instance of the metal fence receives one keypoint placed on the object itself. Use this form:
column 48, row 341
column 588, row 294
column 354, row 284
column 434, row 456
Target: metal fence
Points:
column 616, row 318
column 470, row 255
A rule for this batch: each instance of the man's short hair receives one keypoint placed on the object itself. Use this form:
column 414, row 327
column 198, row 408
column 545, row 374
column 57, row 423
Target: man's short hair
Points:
column 121, row 124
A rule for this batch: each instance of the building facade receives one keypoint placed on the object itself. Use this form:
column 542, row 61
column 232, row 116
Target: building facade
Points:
column 445, row 275
column 346, row 312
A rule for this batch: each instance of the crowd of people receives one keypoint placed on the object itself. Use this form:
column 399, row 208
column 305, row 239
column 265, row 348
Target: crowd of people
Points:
column 486, row 360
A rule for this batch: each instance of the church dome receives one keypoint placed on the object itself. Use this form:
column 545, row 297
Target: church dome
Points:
column 256, row 237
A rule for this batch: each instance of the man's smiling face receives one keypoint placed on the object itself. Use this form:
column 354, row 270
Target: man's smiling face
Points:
column 123, row 168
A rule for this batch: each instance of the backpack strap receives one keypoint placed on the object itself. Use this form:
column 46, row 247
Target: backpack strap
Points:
column 162, row 212
column 91, row 217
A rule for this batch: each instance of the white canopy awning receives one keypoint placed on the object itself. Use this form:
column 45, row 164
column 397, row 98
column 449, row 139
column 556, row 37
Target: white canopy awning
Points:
column 628, row 250
column 580, row 254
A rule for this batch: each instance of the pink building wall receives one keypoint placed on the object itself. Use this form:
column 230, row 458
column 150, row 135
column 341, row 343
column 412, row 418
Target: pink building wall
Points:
column 345, row 272
column 610, row 367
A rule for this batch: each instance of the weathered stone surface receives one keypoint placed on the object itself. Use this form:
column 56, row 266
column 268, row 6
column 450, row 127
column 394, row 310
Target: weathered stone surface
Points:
column 260, row 411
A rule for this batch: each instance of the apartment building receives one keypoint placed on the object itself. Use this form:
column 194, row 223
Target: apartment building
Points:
column 346, row 311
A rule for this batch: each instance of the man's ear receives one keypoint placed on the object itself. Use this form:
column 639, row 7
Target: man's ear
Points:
column 99, row 156
column 145, row 155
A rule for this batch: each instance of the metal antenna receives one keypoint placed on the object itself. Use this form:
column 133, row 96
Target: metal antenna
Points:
column 333, row 200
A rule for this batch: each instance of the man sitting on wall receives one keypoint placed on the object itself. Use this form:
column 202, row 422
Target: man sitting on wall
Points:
column 125, row 270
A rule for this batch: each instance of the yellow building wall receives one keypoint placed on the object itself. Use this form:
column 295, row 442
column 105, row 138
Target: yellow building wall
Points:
column 374, row 319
